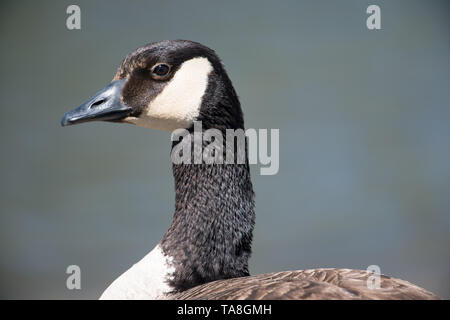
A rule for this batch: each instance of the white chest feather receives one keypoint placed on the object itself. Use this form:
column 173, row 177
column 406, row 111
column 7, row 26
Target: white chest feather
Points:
column 147, row 279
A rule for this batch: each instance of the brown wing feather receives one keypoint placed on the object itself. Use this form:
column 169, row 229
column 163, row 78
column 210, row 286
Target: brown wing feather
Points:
column 310, row 284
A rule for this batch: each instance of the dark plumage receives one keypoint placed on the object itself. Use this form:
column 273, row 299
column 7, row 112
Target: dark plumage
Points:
column 211, row 233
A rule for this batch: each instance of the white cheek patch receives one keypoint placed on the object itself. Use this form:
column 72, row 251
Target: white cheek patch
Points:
column 179, row 103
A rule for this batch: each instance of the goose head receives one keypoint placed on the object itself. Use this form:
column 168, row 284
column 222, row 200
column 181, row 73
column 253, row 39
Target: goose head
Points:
column 165, row 85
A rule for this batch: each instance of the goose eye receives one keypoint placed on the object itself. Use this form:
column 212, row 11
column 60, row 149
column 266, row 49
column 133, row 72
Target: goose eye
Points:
column 160, row 71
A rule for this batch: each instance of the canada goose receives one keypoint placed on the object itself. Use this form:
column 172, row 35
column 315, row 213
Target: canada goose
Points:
column 204, row 255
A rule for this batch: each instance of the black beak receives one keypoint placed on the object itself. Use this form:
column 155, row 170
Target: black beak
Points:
column 104, row 105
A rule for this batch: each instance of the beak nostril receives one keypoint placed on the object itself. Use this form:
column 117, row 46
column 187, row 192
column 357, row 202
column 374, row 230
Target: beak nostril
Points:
column 105, row 105
column 97, row 103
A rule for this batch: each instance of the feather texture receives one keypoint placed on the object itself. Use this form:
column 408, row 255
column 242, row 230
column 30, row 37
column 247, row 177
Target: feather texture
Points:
column 313, row 284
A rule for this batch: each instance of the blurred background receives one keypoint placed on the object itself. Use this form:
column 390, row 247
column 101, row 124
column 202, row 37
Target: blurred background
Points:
column 364, row 119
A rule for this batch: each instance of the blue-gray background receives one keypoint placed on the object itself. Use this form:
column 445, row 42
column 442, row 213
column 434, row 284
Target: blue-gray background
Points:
column 364, row 119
